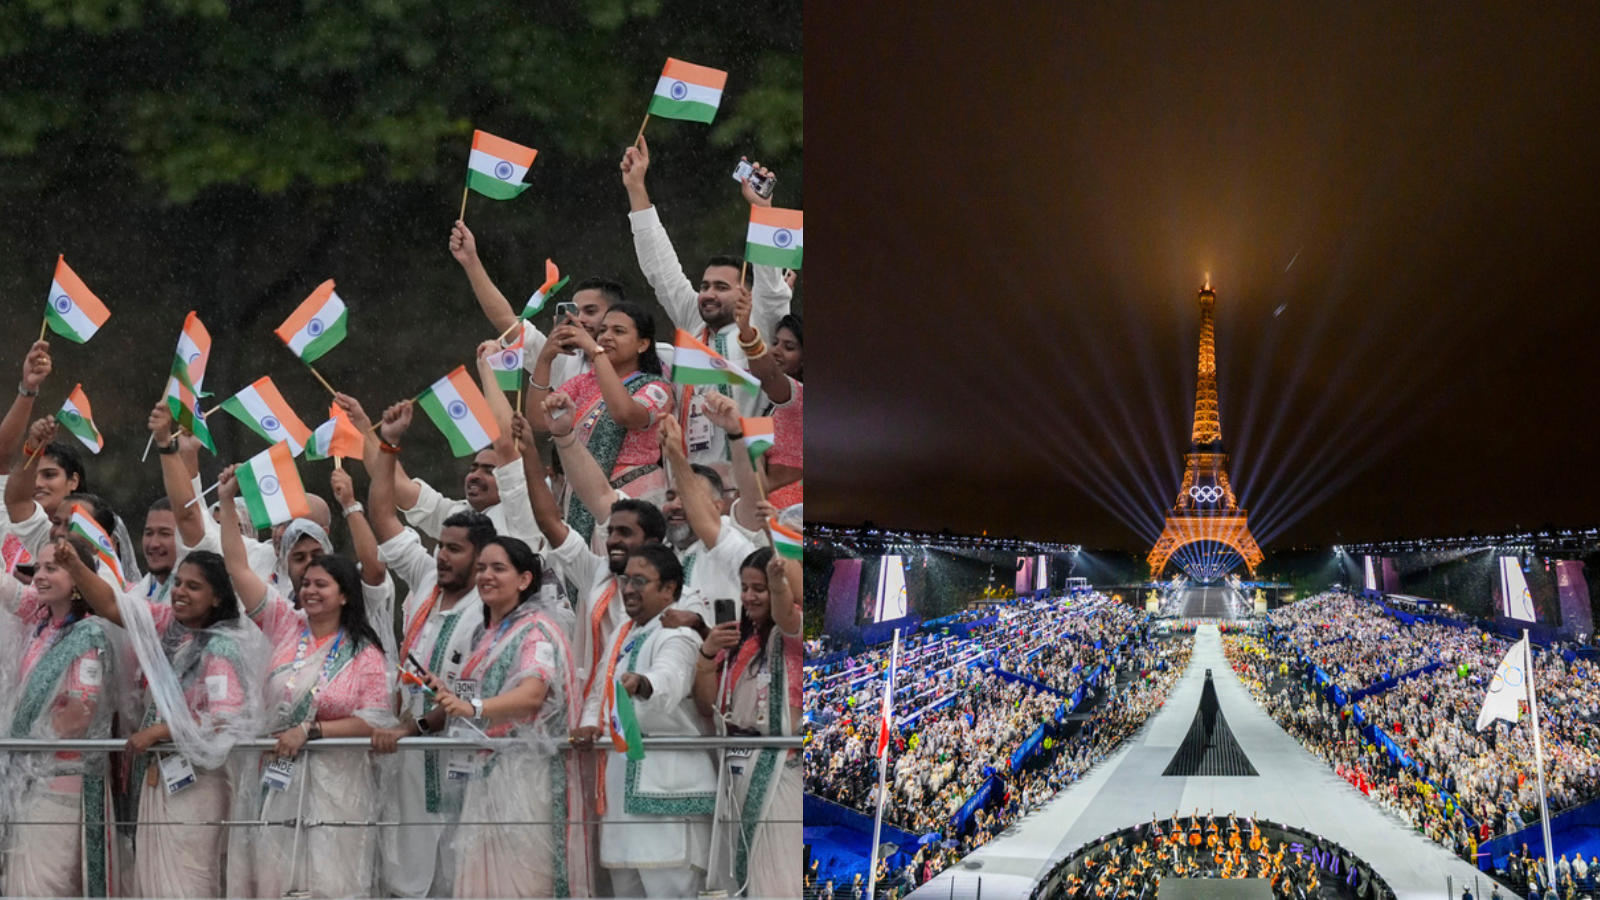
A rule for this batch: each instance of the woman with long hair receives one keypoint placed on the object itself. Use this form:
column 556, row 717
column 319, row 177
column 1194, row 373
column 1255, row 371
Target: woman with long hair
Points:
column 615, row 405
column 327, row 678
column 202, row 664
column 780, row 367
column 522, row 833
column 749, row 677
column 66, row 685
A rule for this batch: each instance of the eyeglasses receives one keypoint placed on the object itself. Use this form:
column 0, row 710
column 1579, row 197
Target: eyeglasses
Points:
column 635, row 581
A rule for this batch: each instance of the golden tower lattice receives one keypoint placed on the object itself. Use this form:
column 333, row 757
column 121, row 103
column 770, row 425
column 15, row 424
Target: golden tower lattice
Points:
column 1206, row 510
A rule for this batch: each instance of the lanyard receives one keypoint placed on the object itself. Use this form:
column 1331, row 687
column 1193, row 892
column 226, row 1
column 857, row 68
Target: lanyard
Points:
column 300, row 661
column 415, row 631
column 597, row 618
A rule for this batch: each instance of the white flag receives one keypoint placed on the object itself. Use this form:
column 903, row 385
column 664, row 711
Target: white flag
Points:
column 1510, row 684
column 1515, row 599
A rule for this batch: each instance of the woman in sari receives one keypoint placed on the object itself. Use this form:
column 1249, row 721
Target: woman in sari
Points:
column 202, row 664
column 524, row 834
column 749, row 673
column 326, row 678
column 617, row 403
column 780, row 367
column 66, row 686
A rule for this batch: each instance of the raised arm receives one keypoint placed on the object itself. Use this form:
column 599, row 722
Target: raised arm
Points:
column 773, row 382
column 773, row 292
column 247, row 584
column 505, row 446
column 19, row 487
column 362, row 539
column 406, row 489
column 546, row 512
column 724, row 413
column 35, row 368
column 657, row 258
column 381, row 495
column 698, row 506
column 589, row 482
column 464, row 247
column 99, row 593
column 561, row 337
column 620, row 405
column 175, row 476
column 783, row 591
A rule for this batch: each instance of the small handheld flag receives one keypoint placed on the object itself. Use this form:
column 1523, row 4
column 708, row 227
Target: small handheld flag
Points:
column 775, row 238
column 786, row 542
column 507, row 364
column 458, row 408
column 316, row 326
column 194, row 351
column 496, row 167
column 626, row 727
column 261, row 407
column 185, row 405
column 336, row 437
column 553, row 282
column 695, row 363
column 759, row 436
column 76, row 417
column 72, row 310
column 84, row 525
column 271, row 487
column 687, row 91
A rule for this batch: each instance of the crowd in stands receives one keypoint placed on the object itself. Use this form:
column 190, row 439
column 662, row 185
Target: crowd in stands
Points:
column 1462, row 786
column 939, row 756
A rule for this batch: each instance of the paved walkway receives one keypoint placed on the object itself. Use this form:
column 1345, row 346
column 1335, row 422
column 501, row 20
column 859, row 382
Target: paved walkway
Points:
column 1294, row 787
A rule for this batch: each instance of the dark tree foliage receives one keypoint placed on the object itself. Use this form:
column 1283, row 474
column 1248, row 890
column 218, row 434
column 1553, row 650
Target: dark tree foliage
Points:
column 229, row 156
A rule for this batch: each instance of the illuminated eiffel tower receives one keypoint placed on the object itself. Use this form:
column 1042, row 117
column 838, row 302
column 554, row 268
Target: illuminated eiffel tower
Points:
column 1206, row 511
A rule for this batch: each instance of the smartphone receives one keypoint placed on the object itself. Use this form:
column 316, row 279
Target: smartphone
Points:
column 724, row 610
column 761, row 184
column 565, row 309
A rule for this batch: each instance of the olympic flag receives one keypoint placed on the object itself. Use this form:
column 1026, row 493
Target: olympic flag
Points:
column 1510, row 685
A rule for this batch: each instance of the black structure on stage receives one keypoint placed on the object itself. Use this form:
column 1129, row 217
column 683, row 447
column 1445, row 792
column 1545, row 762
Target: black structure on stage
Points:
column 1215, row 889
column 1210, row 747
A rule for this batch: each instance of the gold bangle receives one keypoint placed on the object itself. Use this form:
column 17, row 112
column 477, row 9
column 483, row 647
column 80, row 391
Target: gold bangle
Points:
column 749, row 356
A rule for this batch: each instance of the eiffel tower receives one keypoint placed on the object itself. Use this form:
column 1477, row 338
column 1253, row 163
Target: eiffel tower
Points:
column 1206, row 510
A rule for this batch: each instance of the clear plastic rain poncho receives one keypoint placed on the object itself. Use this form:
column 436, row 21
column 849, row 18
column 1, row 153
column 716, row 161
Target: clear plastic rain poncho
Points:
column 205, row 684
column 521, row 833
column 332, row 793
column 63, row 679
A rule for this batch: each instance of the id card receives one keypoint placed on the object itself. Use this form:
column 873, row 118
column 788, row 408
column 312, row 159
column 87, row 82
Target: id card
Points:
column 279, row 773
column 698, row 434
column 176, row 772
column 466, row 689
column 461, row 765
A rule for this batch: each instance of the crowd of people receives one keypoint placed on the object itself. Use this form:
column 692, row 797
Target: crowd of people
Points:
column 1456, row 784
column 551, row 616
column 972, row 719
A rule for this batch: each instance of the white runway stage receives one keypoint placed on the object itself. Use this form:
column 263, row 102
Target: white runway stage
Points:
column 1293, row 787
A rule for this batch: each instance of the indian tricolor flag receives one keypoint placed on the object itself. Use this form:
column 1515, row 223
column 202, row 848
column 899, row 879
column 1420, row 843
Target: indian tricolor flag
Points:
column 496, row 166
column 266, row 412
column 194, row 350
column 507, row 363
column 271, row 488
column 84, row 525
column 455, row 404
column 73, row 311
column 336, row 437
column 688, row 91
column 317, row 326
column 553, row 282
column 182, row 399
column 76, row 417
column 759, row 436
column 775, row 238
column 695, row 363
column 786, row 542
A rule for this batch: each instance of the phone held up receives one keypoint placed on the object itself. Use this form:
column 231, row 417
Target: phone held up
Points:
column 723, row 607
column 761, row 184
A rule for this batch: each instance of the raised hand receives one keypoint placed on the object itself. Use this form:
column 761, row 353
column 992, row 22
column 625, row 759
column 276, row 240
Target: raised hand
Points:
column 558, row 417
column 396, row 419
column 228, row 486
column 750, row 195
column 344, row 489
column 722, row 411
column 36, row 365
column 160, row 422
column 352, row 408
column 40, row 434
column 463, row 246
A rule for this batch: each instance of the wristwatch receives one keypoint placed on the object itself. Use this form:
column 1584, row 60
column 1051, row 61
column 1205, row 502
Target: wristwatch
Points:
column 26, row 391
column 169, row 448
column 477, row 708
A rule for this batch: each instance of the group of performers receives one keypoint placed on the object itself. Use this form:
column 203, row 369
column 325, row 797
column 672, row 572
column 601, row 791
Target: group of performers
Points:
column 1191, row 847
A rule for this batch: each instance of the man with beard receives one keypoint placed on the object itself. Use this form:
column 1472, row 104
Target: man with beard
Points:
column 706, row 313
column 709, row 546
column 442, row 613
column 655, row 812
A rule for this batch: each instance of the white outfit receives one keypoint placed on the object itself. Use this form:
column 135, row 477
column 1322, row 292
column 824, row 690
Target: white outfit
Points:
column 656, row 831
column 709, row 574
column 769, row 302
column 416, row 857
column 591, row 572
column 512, row 516
column 563, row 368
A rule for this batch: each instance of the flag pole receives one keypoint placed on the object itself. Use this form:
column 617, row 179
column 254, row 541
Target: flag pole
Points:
column 338, row 463
column 883, row 768
column 1538, row 756
column 319, row 378
column 641, row 129
column 514, row 326
column 43, row 326
column 462, row 217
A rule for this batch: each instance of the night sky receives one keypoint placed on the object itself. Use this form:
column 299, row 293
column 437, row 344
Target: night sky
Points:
column 1399, row 211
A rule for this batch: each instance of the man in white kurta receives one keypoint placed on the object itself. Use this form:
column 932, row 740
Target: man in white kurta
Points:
column 655, row 828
